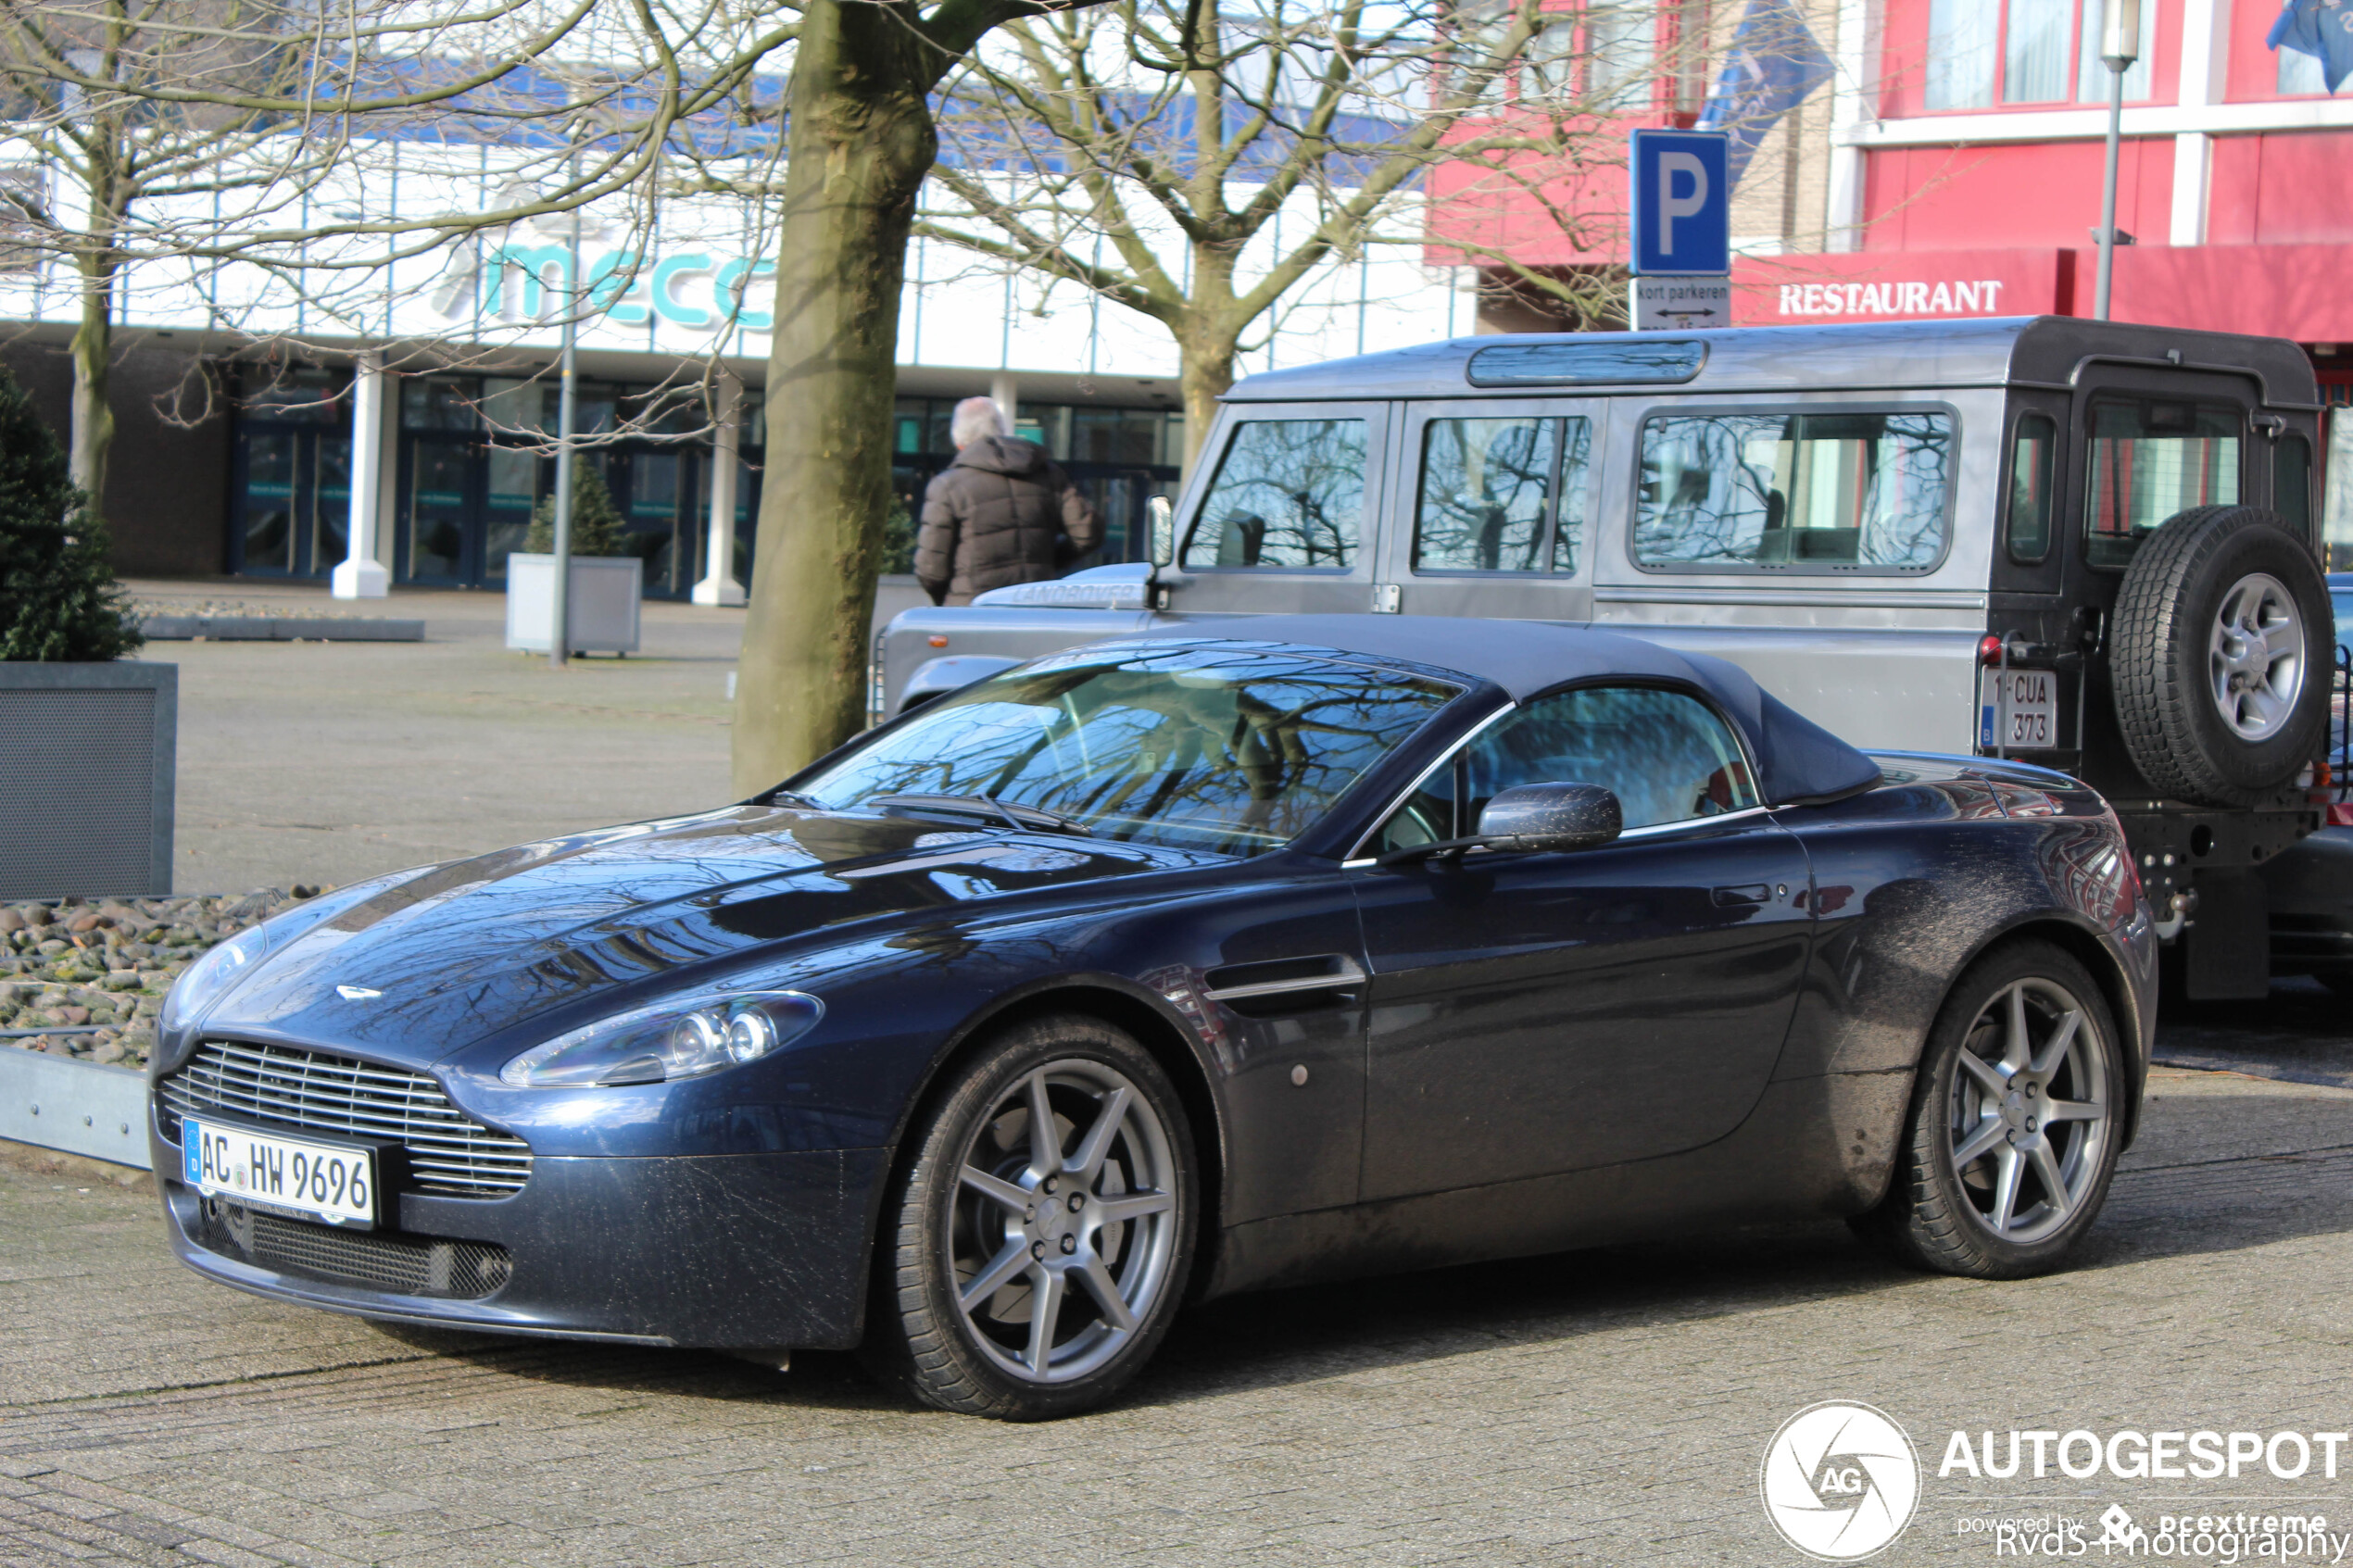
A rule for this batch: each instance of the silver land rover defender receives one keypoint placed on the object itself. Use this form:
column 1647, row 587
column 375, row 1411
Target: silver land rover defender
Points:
column 2087, row 545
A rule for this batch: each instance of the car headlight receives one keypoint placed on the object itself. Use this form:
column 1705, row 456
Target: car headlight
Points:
column 684, row 1038
column 208, row 979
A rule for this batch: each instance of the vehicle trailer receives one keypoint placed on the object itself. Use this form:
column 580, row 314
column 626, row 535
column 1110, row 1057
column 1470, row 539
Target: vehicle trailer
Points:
column 2090, row 546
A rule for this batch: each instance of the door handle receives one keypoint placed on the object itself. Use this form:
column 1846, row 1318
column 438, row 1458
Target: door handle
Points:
column 1748, row 893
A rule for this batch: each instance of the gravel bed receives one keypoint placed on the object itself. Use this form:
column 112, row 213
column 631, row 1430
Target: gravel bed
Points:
column 74, row 964
column 282, row 609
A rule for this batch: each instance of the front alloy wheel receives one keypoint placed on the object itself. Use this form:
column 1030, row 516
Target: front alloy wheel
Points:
column 1043, row 1232
column 2014, row 1122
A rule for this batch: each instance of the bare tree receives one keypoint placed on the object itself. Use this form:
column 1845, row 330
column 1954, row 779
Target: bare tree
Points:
column 170, row 130
column 123, row 91
column 1224, row 157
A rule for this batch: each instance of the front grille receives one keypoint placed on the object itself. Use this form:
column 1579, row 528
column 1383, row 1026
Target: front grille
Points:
column 406, row 1265
column 449, row 1152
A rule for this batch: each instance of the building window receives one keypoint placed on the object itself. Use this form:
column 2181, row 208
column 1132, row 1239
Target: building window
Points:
column 2300, row 75
column 1606, row 55
column 1961, row 35
column 2092, row 76
column 2034, row 52
column 1981, row 53
column 1621, row 47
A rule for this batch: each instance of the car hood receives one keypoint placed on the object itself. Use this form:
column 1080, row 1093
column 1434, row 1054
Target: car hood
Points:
column 449, row 958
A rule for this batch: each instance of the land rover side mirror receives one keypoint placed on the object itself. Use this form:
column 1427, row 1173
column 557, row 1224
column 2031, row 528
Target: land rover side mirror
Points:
column 1551, row 816
column 1161, row 519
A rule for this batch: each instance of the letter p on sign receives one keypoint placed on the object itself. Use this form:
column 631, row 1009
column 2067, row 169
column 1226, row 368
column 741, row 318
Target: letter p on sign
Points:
column 1682, row 202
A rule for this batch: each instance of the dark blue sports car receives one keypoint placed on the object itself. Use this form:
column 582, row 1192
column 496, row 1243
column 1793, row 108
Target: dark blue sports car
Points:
column 1171, row 967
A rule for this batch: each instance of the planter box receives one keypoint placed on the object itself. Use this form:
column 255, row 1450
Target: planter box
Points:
column 606, row 592
column 88, row 758
column 81, row 1108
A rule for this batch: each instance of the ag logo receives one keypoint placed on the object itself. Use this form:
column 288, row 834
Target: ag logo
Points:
column 1840, row 1481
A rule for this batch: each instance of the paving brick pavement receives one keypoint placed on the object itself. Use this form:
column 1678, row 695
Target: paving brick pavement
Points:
column 1608, row 1407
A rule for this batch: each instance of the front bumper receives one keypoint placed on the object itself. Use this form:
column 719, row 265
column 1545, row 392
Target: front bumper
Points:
column 726, row 1252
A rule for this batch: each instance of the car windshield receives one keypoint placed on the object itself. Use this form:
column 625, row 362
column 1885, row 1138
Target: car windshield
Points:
column 1224, row 748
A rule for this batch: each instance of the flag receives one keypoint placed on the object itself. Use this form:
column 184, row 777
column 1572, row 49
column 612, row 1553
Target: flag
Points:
column 1774, row 64
column 2322, row 29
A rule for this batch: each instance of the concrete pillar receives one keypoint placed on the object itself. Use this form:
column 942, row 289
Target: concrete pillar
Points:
column 1004, row 390
column 718, row 586
column 2206, row 42
column 361, row 573
column 1852, row 105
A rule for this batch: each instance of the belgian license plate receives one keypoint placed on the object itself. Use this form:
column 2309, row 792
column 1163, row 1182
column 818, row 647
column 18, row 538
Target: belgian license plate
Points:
column 283, row 1175
column 2027, row 721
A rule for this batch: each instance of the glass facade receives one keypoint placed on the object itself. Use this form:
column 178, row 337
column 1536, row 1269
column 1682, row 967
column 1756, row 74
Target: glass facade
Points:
column 1121, row 458
column 291, row 475
column 474, row 465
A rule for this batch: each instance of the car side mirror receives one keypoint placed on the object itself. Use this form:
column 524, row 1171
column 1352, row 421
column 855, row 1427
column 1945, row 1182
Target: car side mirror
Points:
column 1551, row 816
column 1160, row 519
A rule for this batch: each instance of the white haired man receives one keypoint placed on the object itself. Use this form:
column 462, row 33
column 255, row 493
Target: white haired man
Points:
column 1003, row 512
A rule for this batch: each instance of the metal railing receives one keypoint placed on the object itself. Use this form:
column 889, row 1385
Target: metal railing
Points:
column 2341, row 727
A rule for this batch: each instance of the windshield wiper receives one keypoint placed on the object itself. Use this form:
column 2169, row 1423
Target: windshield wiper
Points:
column 793, row 798
column 1021, row 819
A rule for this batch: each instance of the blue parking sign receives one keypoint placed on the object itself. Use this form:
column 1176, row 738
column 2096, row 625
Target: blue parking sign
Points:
column 1682, row 202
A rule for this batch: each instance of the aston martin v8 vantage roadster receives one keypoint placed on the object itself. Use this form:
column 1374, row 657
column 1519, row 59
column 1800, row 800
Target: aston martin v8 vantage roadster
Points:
column 1170, row 967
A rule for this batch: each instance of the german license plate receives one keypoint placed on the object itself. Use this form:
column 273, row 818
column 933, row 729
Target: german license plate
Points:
column 2027, row 721
column 283, row 1175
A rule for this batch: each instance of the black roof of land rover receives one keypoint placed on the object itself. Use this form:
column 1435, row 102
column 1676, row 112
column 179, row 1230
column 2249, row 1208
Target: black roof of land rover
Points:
column 2006, row 351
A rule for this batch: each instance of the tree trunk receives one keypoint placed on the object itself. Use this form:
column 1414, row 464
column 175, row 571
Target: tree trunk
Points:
column 859, row 143
column 93, row 433
column 1207, row 337
column 1205, row 372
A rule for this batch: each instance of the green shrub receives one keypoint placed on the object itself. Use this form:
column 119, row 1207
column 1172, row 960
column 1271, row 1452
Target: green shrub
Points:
column 898, row 538
column 597, row 525
column 59, row 601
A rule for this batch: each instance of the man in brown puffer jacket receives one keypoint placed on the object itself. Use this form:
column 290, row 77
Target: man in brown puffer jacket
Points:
column 1003, row 512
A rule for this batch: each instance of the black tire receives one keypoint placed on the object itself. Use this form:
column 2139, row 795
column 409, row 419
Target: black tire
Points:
column 2160, row 658
column 941, row 1228
column 1940, row 1211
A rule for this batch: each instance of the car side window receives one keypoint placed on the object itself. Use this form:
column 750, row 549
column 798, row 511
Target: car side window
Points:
column 1664, row 755
column 2292, row 481
column 2033, row 449
column 1502, row 494
column 1829, row 491
column 1289, row 493
column 2151, row 458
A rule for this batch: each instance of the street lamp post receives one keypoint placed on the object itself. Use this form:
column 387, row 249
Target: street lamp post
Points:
column 2119, row 46
column 567, row 410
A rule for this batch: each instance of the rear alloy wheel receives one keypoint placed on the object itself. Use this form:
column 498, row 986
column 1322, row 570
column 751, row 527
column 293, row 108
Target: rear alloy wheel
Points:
column 2015, row 1118
column 1040, row 1243
column 2220, row 657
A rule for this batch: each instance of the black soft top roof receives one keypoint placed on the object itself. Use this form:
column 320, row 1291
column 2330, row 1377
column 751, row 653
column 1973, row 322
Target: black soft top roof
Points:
column 1797, row 761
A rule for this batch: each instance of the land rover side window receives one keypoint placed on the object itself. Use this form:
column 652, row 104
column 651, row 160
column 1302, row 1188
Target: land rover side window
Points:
column 1667, row 756
column 1497, row 494
column 1289, row 495
column 2033, row 451
column 2150, row 460
column 1794, row 492
column 2292, row 481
